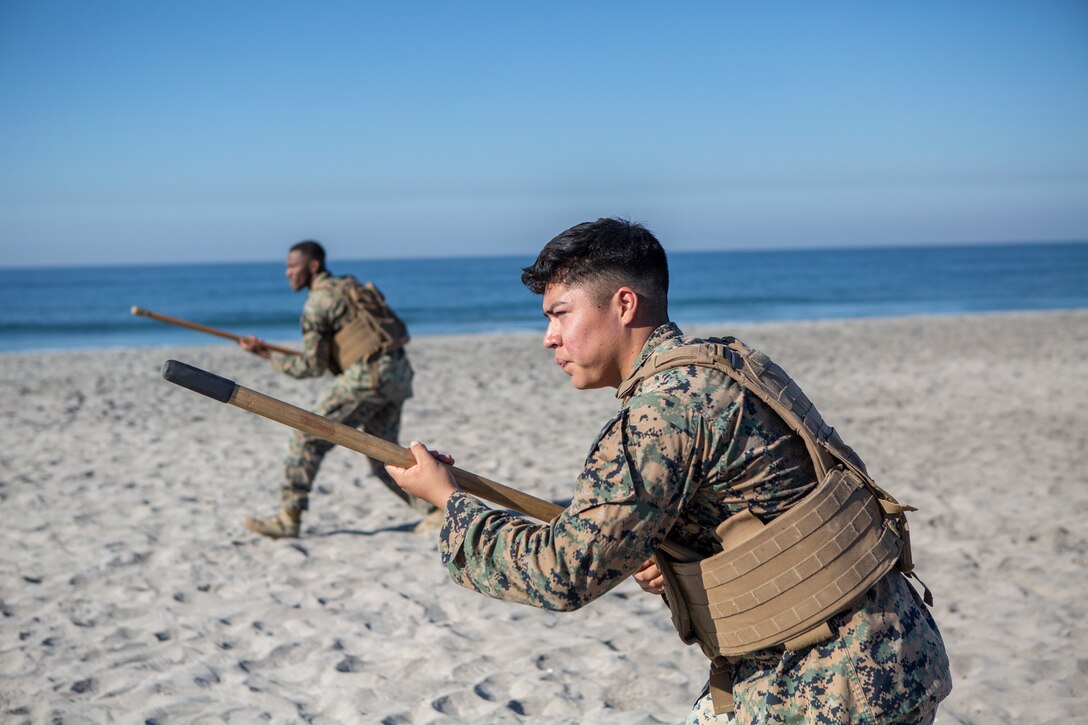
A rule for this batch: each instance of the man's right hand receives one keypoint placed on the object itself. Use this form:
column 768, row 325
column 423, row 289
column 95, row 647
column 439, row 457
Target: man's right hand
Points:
column 430, row 479
column 254, row 345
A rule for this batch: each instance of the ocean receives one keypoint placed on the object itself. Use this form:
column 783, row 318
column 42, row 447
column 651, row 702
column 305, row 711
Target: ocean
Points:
column 89, row 307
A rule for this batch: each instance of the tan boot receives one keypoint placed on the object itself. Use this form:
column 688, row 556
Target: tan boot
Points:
column 282, row 525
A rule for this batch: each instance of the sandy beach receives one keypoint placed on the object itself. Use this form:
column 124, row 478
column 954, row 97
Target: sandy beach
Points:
column 130, row 593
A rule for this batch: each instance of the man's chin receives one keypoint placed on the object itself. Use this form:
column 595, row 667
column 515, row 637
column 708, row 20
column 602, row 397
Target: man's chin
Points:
column 583, row 384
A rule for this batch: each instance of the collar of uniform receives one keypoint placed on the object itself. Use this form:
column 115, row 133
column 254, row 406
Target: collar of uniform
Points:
column 320, row 280
column 663, row 338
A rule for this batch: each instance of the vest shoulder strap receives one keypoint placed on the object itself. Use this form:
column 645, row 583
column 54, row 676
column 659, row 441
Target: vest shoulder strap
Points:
column 765, row 379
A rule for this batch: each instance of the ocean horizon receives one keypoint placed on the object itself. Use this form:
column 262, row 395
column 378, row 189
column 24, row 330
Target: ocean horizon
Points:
column 66, row 308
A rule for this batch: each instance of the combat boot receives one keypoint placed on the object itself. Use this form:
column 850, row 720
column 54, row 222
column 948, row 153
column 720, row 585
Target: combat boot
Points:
column 281, row 525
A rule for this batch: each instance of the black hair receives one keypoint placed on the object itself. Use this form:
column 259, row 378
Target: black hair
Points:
column 311, row 250
column 605, row 254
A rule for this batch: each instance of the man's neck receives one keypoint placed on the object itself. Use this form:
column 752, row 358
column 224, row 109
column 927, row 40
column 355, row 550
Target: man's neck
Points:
column 636, row 343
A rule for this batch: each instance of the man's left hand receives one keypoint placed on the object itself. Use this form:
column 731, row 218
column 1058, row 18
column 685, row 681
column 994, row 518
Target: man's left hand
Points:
column 650, row 578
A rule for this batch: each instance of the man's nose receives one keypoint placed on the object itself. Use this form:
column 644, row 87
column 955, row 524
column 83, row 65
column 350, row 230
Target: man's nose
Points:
column 551, row 336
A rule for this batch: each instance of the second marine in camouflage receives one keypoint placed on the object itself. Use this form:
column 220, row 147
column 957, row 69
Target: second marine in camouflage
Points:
column 373, row 378
column 689, row 449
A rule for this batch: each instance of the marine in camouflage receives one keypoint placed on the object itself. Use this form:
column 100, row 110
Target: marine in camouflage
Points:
column 690, row 448
column 368, row 395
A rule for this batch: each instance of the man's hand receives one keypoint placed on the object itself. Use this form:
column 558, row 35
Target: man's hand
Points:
column 430, row 479
column 650, row 578
column 254, row 345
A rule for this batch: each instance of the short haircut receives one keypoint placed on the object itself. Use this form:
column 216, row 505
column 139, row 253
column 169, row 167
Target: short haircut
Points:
column 605, row 255
column 311, row 250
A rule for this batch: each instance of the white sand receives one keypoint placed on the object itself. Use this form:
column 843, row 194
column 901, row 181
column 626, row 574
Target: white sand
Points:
column 129, row 592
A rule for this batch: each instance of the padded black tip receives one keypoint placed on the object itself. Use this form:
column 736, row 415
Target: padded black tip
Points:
column 199, row 381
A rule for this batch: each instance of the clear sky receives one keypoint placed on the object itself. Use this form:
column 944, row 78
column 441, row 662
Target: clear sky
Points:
column 218, row 131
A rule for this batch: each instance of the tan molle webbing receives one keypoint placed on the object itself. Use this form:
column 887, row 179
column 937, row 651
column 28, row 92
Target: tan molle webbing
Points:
column 790, row 577
column 371, row 329
column 780, row 583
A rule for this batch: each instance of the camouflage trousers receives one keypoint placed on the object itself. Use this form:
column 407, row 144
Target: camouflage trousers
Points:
column 702, row 713
column 353, row 402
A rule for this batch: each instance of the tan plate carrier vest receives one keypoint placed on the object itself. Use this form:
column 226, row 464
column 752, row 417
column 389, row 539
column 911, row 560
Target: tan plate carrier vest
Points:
column 371, row 327
column 779, row 583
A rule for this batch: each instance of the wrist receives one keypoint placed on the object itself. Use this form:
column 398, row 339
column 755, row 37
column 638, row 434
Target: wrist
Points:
column 443, row 496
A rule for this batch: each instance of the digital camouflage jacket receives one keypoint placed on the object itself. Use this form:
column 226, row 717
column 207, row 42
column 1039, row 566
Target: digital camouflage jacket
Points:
column 689, row 449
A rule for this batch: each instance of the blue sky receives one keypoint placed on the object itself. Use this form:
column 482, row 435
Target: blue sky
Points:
column 222, row 131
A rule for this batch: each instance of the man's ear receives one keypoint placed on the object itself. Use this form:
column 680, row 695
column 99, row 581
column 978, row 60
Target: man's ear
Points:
column 627, row 304
column 314, row 266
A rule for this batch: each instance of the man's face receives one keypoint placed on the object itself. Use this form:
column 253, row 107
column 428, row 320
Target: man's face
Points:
column 300, row 270
column 585, row 336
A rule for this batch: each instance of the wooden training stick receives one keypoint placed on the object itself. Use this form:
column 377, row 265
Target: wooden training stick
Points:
column 228, row 391
column 204, row 328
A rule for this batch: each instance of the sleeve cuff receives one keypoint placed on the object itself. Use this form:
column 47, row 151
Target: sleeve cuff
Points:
column 461, row 510
column 279, row 361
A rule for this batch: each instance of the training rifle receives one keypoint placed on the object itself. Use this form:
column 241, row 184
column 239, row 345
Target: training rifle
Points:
column 230, row 392
column 205, row 329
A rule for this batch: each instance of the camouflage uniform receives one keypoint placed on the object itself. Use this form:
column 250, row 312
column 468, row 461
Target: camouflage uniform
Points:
column 366, row 395
column 688, row 450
